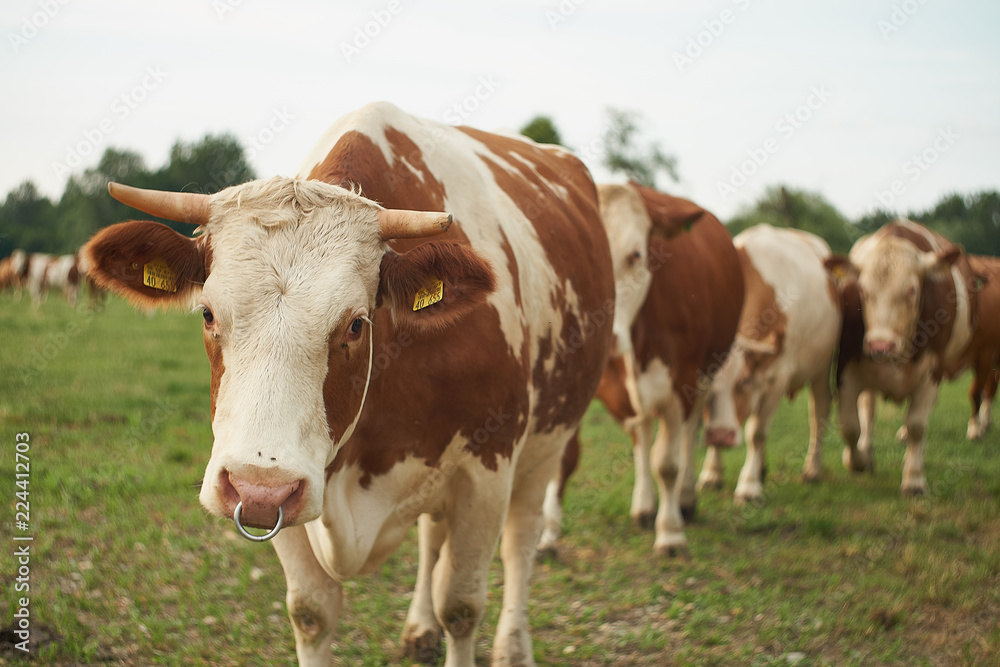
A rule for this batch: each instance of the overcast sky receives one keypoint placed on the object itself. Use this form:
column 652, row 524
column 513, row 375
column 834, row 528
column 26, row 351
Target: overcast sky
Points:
column 848, row 98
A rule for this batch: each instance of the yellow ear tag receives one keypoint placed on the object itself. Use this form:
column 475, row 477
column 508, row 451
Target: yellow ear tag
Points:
column 159, row 276
column 429, row 294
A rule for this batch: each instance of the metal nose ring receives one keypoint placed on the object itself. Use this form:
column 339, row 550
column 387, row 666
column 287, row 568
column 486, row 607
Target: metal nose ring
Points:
column 257, row 538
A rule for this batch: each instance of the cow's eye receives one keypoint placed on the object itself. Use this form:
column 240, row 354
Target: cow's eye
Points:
column 354, row 330
column 209, row 317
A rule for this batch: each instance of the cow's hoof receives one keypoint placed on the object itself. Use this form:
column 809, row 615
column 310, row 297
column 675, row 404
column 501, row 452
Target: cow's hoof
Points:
column 546, row 554
column 645, row 520
column 677, row 550
column 747, row 498
column 426, row 649
column 902, row 434
column 859, row 462
column 913, row 491
column 688, row 512
column 812, row 477
column 973, row 433
column 710, row 484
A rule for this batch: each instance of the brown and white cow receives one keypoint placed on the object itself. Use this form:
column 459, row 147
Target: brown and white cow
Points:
column 983, row 352
column 787, row 339
column 908, row 314
column 347, row 400
column 63, row 274
column 34, row 280
column 679, row 292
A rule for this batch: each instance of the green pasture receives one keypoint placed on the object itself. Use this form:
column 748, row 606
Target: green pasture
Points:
column 127, row 569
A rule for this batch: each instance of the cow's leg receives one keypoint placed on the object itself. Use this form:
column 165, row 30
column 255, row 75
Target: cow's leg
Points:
column 689, row 498
column 866, row 418
column 512, row 644
column 712, row 471
column 313, row 598
column 820, row 398
column 554, row 492
column 921, row 406
column 666, row 462
column 989, row 392
column 643, row 511
column 461, row 573
column 422, row 634
column 980, row 376
column 850, row 425
column 751, row 482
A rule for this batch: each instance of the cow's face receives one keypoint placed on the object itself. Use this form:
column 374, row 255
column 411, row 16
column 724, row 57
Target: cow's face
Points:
column 287, row 276
column 890, row 277
column 628, row 226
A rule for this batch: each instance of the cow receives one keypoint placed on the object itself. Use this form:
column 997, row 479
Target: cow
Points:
column 908, row 312
column 983, row 352
column 36, row 268
column 788, row 335
column 12, row 270
column 366, row 376
column 679, row 291
column 63, row 273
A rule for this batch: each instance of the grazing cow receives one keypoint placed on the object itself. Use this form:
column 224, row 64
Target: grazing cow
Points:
column 364, row 375
column 788, row 335
column 909, row 312
column 983, row 352
column 679, row 293
column 63, row 274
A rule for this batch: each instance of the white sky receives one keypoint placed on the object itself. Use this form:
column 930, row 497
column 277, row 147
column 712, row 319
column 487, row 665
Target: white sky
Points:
column 239, row 65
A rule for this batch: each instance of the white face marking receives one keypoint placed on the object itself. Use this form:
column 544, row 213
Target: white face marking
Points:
column 282, row 282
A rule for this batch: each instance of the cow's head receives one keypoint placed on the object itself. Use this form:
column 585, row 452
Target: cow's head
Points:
column 736, row 387
column 890, row 276
column 287, row 275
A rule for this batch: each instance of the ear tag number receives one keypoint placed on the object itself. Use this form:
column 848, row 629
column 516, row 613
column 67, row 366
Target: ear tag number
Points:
column 429, row 294
column 159, row 276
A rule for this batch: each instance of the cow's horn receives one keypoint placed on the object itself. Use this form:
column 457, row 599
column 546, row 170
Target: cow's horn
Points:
column 401, row 224
column 178, row 206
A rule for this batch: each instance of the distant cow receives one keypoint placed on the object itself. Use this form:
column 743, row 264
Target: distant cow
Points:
column 14, row 270
column 679, row 293
column 909, row 312
column 37, row 268
column 787, row 339
column 983, row 352
column 63, row 274
column 365, row 374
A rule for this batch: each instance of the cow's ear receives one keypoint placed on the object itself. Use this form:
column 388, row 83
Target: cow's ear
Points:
column 147, row 263
column 935, row 262
column 841, row 268
column 434, row 285
column 671, row 216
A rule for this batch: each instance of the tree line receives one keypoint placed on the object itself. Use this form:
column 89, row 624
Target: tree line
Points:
column 33, row 222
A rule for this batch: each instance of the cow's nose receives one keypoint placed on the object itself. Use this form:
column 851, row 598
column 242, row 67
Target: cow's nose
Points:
column 881, row 347
column 260, row 500
column 720, row 436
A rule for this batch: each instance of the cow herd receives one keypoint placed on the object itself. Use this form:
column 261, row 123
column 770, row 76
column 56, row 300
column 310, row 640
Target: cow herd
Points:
column 512, row 291
column 39, row 273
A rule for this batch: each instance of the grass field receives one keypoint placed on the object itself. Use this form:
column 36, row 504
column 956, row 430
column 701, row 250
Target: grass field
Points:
column 126, row 568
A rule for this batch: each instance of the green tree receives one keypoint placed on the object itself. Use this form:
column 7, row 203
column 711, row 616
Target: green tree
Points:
column 542, row 130
column 27, row 220
column 624, row 151
column 209, row 165
column 786, row 207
